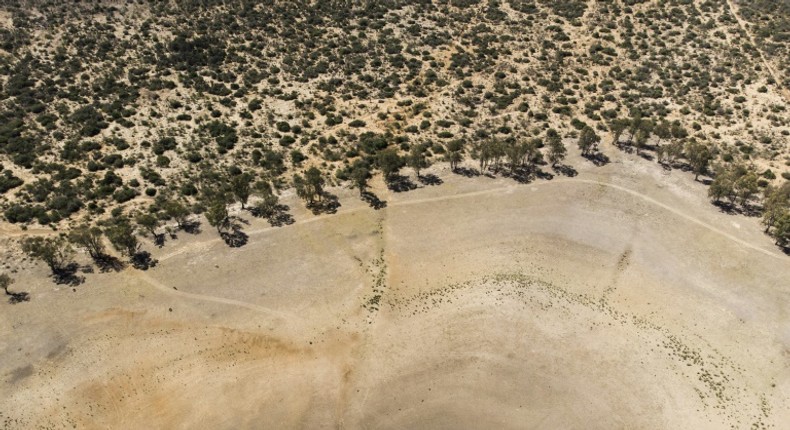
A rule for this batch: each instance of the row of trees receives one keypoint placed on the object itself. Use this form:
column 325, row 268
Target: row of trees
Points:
column 734, row 185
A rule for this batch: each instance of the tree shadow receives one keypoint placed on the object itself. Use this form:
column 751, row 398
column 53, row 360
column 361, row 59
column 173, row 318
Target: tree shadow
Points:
column 467, row 172
column 430, row 179
column 235, row 238
column 647, row 156
column 19, row 297
column 598, row 158
column 327, row 205
column 522, row 175
column 373, row 200
column 543, row 175
column 67, row 275
column 747, row 209
column 280, row 216
column 565, row 170
column 142, row 260
column 400, row 183
column 159, row 240
column 191, row 226
column 108, row 263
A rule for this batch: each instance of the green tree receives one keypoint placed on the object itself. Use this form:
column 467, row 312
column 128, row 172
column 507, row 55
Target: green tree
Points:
column 588, row 140
column 88, row 238
column 123, row 238
column 177, row 211
column 217, row 213
column 722, row 186
column 5, row 283
column 782, row 230
column 455, row 153
column 359, row 178
column 266, row 206
column 240, row 185
column 56, row 252
column 699, row 157
column 617, row 127
column 389, row 162
column 484, row 153
column 663, row 131
column 516, row 152
column 746, row 188
column 148, row 222
column 776, row 204
column 417, row 159
column 315, row 180
column 557, row 150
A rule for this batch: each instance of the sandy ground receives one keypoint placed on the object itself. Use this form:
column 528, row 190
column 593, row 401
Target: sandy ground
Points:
column 618, row 298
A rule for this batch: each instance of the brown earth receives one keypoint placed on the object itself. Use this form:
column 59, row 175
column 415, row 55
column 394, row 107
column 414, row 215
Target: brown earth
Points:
column 618, row 298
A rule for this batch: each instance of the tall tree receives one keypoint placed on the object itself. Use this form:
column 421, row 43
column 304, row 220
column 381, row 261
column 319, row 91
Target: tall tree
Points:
column 588, row 140
column 417, row 159
column 148, row 222
column 699, row 156
column 516, row 152
column 123, row 238
column 663, row 131
column 557, row 150
column 217, row 213
column 56, row 252
column 455, row 153
column 359, row 178
column 776, row 204
column 178, row 211
column 240, row 185
column 267, row 205
column 315, row 180
column 617, row 127
column 88, row 238
column 389, row 162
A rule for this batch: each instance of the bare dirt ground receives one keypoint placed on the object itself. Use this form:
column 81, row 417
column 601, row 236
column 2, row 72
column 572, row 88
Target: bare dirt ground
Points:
column 618, row 298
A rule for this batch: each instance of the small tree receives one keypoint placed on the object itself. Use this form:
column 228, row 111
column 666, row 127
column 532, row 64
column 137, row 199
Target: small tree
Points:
column 56, row 252
column 588, row 141
column 240, row 185
column 782, row 230
column 149, row 222
column 617, row 127
column 663, row 130
column 557, row 150
column 5, row 282
column 699, row 156
column 776, row 204
column 315, row 180
column 359, row 178
column 123, row 238
column 217, row 213
column 178, row 211
column 484, row 153
column 669, row 153
column 746, row 187
column 417, row 159
column 389, row 162
column 455, row 153
column 516, row 152
column 267, row 205
column 88, row 238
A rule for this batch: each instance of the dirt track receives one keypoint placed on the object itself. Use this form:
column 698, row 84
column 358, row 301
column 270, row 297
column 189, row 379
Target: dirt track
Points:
column 606, row 300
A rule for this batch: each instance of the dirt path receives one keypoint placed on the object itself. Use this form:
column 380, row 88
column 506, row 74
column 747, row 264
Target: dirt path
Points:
column 142, row 276
column 205, row 244
column 771, row 71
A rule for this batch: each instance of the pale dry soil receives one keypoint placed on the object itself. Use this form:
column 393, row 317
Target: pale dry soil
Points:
column 618, row 298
